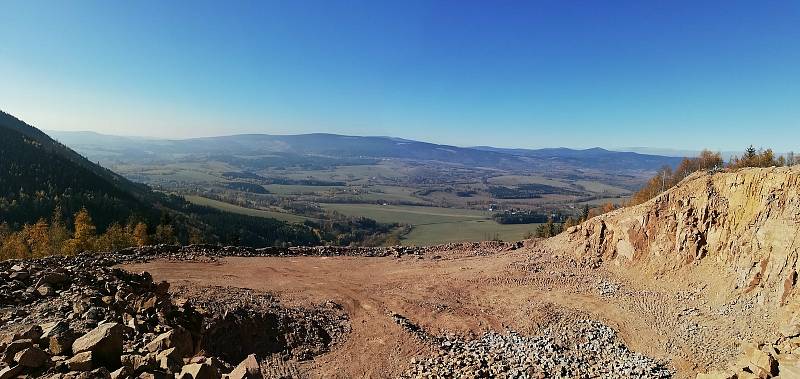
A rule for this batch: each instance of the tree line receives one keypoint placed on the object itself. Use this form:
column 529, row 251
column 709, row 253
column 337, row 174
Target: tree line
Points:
column 552, row 228
column 56, row 237
column 666, row 177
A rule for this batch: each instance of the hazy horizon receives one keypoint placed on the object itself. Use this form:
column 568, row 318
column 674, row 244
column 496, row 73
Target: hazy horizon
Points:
column 678, row 75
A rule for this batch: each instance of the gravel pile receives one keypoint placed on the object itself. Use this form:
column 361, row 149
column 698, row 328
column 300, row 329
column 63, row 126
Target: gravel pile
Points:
column 586, row 349
column 195, row 252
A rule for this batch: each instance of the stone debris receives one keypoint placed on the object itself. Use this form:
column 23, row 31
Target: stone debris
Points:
column 777, row 360
column 98, row 321
column 587, row 349
column 606, row 288
column 249, row 368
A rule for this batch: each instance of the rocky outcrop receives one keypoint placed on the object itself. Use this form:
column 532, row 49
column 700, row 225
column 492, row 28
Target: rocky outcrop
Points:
column 733, row 234
column 101, row 321
column 745, row 223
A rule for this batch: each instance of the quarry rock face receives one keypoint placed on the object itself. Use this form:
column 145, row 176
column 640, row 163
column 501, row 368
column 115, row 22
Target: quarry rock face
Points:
column 745, row 223
column 734, row 234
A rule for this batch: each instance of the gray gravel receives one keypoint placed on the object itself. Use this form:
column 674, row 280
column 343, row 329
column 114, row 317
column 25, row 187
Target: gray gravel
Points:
column 586, row 349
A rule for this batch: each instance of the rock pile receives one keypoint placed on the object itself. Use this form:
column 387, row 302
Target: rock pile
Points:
column 194, row 252
column 82, row 318
column 587, row 349
column 776, row 360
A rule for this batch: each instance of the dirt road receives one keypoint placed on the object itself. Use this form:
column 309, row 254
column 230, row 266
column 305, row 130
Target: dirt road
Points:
column 523, row 290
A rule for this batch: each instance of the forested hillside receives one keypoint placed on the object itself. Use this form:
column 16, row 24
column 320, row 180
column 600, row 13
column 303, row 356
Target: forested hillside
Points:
column 43, row 182
column 38, row 174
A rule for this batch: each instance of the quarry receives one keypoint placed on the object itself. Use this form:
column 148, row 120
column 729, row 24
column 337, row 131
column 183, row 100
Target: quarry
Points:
column 699, row 282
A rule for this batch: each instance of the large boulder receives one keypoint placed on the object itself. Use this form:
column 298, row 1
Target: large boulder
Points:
column 15, row 347
column 177, row 338
column 105, row 343
column 759, row 362
column 81, row 362
column 249, row 368
column 32, row 357
column 10, row 372
column 198, row 371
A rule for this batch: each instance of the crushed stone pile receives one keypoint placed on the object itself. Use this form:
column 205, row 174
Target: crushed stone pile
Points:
column 585, row 349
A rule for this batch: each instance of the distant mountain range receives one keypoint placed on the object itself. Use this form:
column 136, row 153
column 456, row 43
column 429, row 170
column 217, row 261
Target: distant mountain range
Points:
column 101, row 147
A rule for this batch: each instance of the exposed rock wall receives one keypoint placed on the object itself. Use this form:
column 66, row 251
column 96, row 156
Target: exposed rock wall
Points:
column 731, row 235
column 745, row 223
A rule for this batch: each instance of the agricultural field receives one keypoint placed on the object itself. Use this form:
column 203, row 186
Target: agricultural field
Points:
column 432, row 225
column 442, row 200
column 288, row 217
column 466, row 231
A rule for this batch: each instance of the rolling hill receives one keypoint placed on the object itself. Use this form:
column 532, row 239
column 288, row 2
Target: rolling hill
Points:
column 334, row 146
column 38, row 174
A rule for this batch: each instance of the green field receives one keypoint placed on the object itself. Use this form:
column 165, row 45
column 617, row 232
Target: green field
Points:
column 433, row 225
column 288, row 217
column 407, row 214
column 466, row 231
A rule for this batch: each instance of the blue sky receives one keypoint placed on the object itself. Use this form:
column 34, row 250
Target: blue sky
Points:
column 670, row 74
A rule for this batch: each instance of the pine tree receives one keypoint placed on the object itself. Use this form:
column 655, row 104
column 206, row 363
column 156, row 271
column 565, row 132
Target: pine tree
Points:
column 749, row 153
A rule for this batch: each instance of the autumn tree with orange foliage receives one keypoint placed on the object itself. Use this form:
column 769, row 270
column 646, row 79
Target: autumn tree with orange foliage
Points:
column 666, row 177
column 756, row 158
column 44, row 239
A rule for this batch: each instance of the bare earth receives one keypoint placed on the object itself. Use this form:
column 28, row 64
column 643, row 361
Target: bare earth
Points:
column 468, row 292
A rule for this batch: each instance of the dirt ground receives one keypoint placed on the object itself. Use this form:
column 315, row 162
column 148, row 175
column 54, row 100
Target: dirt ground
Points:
column 468, row 292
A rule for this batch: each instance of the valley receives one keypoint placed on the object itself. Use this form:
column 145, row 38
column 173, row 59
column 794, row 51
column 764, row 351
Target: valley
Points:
column 328, row 189
column 434, row 193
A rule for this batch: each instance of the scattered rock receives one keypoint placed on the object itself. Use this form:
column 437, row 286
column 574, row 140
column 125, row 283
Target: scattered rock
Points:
column 81, row 362
column 10, row 372
column 123, row 372
column 60, row 345
column 105, row 343
column 178, row 338
column 15, row 347
column 198, row 371
column 32, row 357
column 249, row 368
column 586, row 349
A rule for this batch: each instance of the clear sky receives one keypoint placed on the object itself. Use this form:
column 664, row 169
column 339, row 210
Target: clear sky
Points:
column 677, row 74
